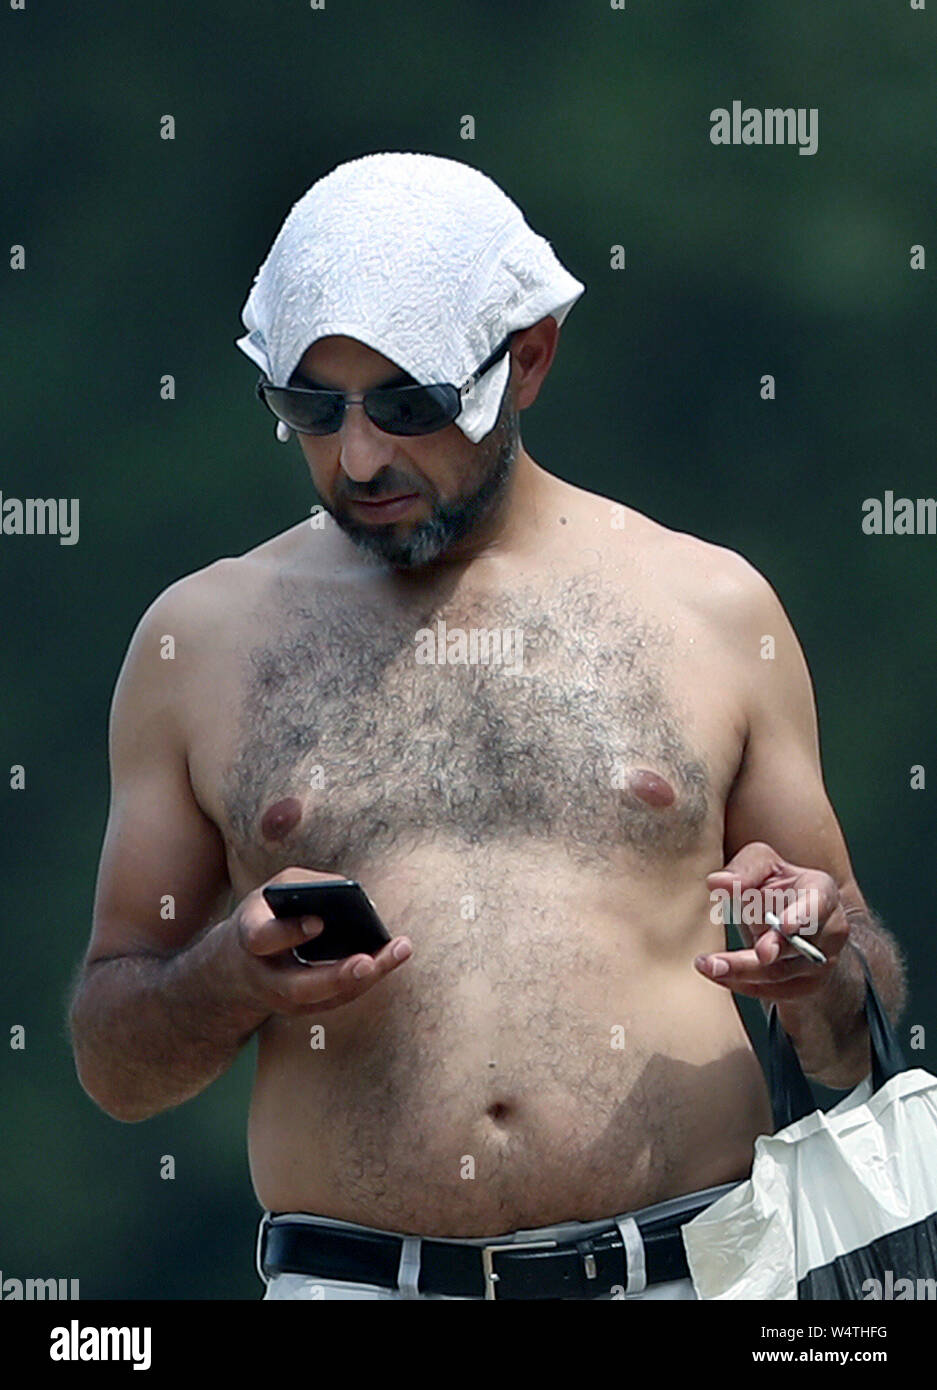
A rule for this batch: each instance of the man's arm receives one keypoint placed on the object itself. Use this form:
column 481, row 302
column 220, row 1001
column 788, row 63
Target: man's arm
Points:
column 171, row 988
column 154, row 1012
column 779, row 801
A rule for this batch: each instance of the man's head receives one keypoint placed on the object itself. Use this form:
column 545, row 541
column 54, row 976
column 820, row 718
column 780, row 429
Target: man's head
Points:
column 411, row 264
column 457, row 490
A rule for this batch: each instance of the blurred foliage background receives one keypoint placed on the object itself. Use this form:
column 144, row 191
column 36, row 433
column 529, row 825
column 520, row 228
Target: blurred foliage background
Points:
column 740, row 261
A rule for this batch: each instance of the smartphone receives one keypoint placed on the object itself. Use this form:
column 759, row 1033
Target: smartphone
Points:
column 352, row 925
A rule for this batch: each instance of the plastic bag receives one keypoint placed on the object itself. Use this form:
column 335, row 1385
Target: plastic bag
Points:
column 841, row 1204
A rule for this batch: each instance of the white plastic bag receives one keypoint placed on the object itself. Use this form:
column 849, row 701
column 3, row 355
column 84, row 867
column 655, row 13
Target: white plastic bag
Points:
column 840, row 1205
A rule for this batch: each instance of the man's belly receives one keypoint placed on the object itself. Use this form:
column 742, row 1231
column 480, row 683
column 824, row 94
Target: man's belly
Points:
column 548, row 1053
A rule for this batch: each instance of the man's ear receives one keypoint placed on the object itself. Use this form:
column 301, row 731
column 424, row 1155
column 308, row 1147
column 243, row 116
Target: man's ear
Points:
column 532, row 353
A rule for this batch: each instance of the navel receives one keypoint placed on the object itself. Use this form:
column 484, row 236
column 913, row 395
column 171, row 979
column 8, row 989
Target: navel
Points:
column 280, row 818
column 650, row 788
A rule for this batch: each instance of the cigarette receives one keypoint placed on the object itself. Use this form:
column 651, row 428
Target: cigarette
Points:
column 805, row 948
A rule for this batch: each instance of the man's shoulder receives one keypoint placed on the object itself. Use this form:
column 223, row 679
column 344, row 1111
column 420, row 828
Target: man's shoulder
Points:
column 717, row 584
column 710, row 575
column 224, row 586
column 197, row 618
column 197, row 597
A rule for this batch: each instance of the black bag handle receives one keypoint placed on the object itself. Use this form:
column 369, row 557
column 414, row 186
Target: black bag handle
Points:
column 791, row 1096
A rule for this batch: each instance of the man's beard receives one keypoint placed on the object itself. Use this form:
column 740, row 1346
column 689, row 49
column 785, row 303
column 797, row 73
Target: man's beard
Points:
column 448, row 522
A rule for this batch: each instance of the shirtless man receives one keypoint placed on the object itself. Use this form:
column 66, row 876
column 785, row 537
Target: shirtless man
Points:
column 552, row 1035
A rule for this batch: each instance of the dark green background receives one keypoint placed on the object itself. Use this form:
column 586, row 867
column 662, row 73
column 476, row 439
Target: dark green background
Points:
column 140, row 253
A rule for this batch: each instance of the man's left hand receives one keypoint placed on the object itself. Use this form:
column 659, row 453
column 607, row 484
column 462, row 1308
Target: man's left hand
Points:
column 771, row 969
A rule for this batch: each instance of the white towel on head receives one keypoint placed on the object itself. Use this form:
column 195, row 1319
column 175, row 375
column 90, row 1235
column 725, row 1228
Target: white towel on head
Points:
column 421, row 258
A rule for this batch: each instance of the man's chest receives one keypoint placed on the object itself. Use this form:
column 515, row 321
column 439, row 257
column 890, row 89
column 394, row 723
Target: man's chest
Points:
column 555, row 712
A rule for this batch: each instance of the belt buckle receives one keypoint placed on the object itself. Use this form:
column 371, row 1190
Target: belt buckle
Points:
column 491, row 1278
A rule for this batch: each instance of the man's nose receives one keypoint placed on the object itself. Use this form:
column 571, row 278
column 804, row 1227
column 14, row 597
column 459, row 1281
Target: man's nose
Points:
column 363, row 449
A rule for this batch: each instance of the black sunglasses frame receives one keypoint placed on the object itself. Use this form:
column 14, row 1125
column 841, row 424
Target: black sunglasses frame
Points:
column 455, row 395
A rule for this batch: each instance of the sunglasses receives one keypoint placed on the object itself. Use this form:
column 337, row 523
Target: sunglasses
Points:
column 394, row 409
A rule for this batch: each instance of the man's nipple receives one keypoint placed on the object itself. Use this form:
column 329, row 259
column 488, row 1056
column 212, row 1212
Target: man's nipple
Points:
column 280, row 818
column 650, row 788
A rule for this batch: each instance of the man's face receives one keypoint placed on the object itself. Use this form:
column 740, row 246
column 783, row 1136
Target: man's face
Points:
column 453, row 486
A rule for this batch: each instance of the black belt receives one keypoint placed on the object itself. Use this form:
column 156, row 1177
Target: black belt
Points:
column 585, row 1268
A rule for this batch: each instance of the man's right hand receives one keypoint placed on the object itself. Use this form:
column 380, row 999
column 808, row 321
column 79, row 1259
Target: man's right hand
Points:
column 268, row 976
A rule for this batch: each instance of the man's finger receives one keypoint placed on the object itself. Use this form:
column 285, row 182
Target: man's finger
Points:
column 344, row 980
column 750, row 867
column 746, row 967
column 771, row 946
column 816, row 899
column 264, row 935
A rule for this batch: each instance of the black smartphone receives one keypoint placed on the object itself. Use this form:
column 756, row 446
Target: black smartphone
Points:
column 352, row 925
